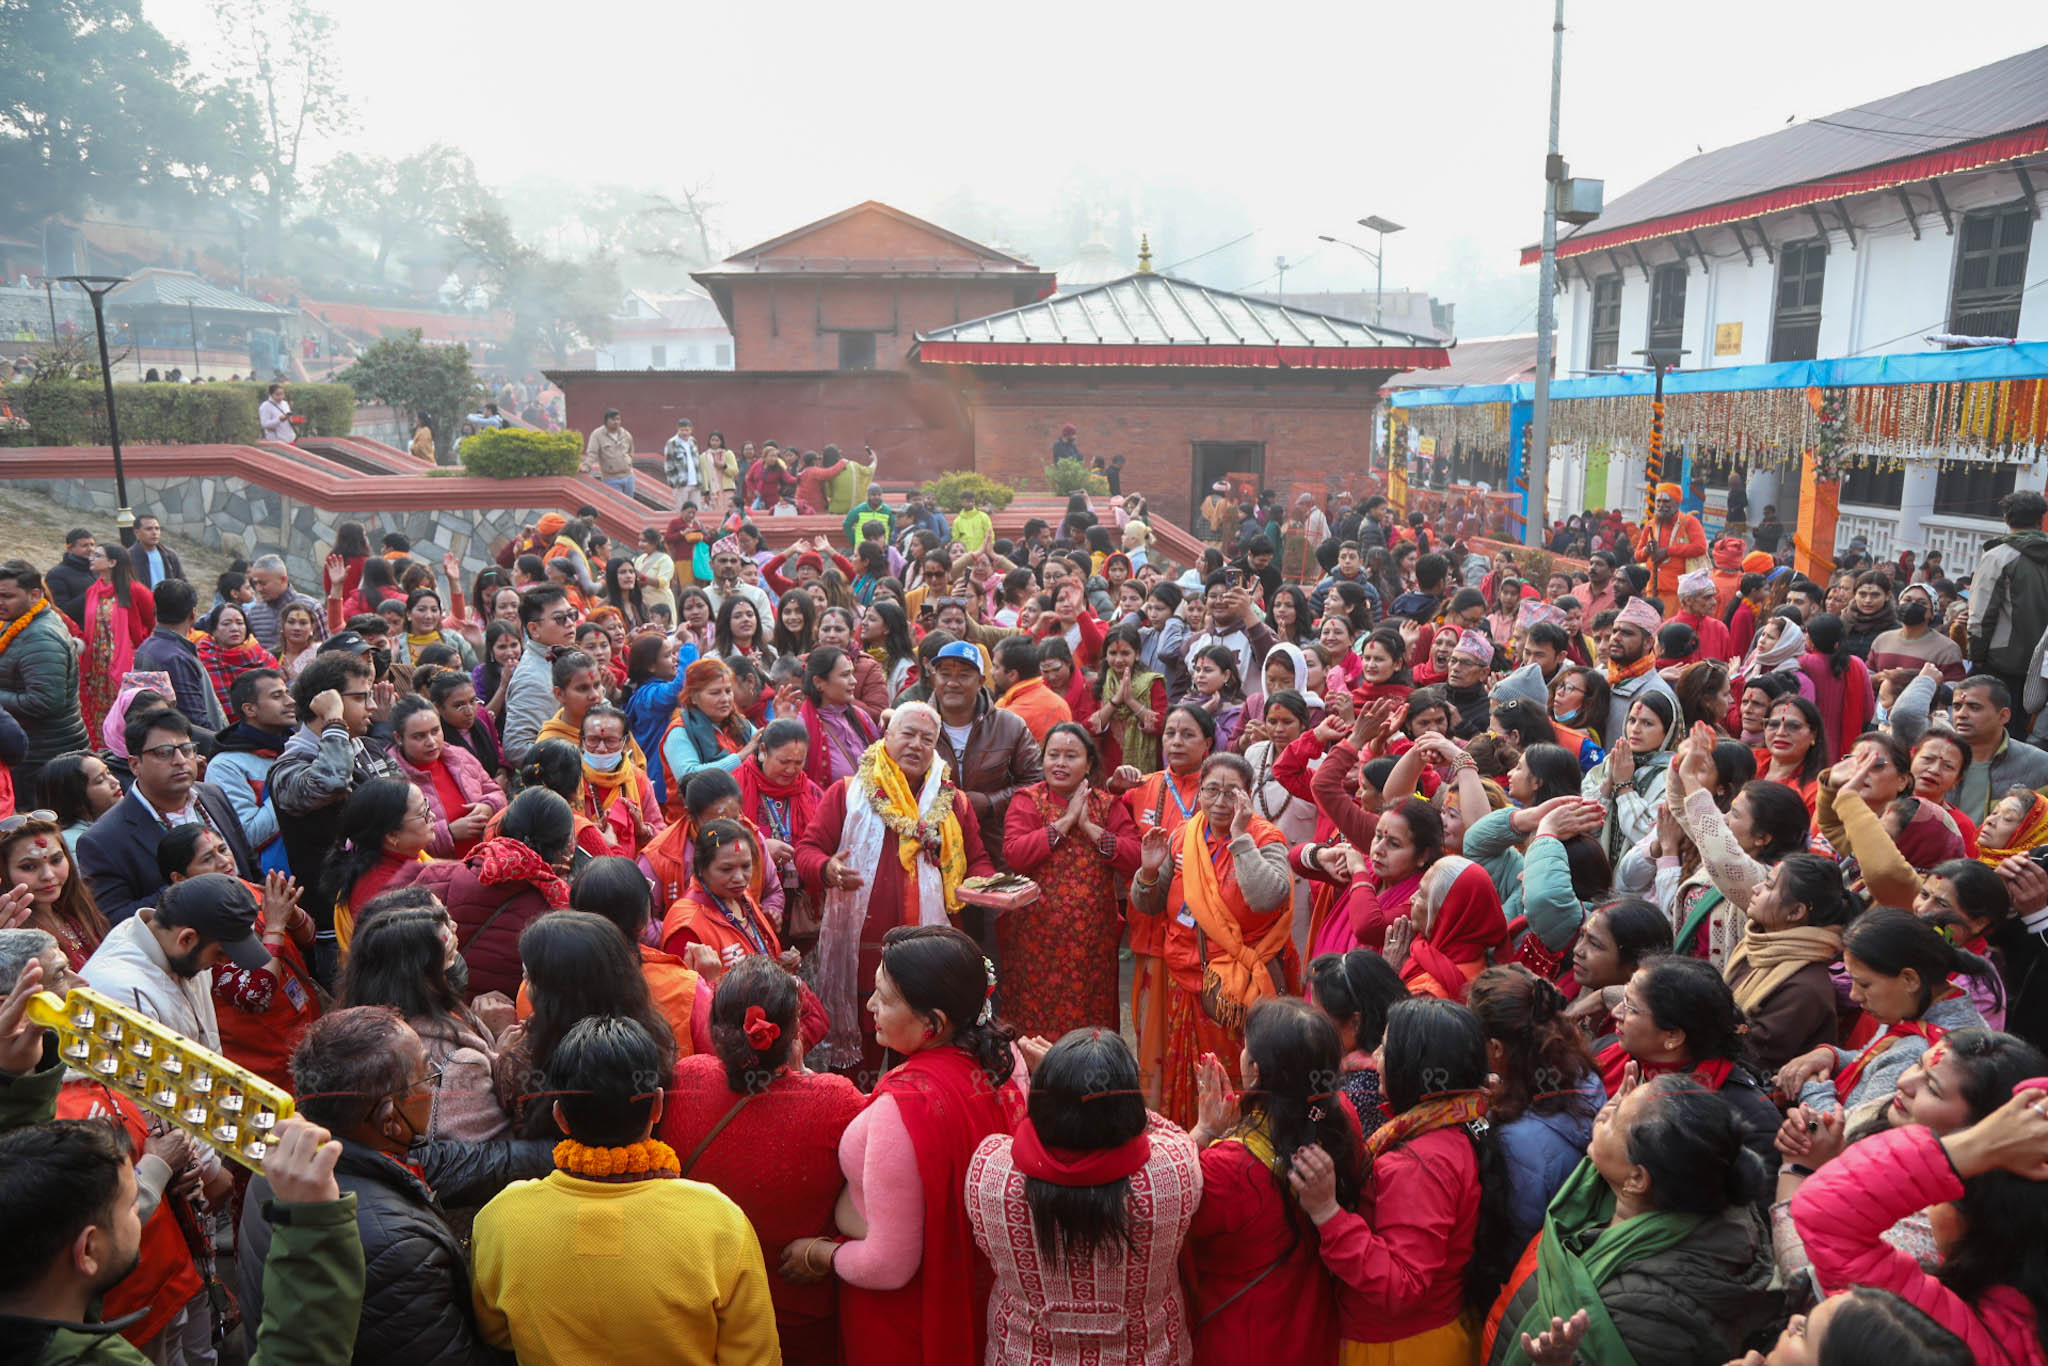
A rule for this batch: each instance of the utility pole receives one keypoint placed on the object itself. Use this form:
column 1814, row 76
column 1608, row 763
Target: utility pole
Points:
column 98, row 287
column 1536, row 467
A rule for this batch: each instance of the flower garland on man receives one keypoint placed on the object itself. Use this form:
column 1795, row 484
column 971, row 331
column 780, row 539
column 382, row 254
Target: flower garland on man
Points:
column 890, row 846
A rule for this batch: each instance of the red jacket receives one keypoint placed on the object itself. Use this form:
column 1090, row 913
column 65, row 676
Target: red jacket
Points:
column 1843, row 1210
column 493, row 952
column 1241, row 1228
column 1400, row 1260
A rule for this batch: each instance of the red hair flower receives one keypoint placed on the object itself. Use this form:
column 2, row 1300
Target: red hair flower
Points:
column 762, row 1032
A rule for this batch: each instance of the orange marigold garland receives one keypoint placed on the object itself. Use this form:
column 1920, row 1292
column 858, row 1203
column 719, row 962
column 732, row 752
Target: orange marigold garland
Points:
column 640, row 1161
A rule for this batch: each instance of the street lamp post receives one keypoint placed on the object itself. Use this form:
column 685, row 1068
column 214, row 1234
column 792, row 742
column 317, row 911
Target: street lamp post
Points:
column 1382, row 226
column 98, row 287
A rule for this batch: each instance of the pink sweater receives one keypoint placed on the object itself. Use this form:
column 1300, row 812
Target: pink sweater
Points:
column 1844, row 1209
column 881, row 1176
column 880, row 1164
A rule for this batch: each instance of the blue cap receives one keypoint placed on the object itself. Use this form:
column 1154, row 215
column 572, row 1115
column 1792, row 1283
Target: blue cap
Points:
column 963, row 650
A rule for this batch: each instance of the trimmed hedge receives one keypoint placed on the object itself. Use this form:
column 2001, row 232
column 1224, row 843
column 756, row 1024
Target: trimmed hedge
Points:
column 989, row 494
column 518, row 452
column 73, row 412
column 1071, row 476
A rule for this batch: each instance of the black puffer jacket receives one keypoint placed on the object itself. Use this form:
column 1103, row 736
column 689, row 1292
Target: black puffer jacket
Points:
column 67, row 581
column 39, row 688
column 417, row 1306
column 1691, row 1304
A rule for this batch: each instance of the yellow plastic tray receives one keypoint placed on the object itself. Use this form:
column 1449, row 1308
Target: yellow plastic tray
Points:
column 224, row 1106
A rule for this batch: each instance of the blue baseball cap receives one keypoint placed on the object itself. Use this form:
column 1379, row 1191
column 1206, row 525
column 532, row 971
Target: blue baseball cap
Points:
column 963, row 650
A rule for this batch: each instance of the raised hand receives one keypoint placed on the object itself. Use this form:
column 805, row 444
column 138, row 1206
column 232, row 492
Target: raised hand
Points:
column 21, row 1042
column 301, row 1165
column 1155, row 848
column 17, row 904
column 1400, row 935
column 1558, row 1344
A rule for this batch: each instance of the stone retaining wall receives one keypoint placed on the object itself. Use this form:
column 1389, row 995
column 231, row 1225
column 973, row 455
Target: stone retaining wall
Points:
column 240, row 519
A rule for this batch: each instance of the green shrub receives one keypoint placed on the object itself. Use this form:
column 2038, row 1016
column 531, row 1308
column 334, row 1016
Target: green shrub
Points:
column 990, row 495
column 518, row 453
column 67, row 412
column 1071, row 476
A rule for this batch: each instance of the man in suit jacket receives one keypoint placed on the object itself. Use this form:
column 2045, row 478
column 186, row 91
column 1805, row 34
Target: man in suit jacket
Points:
column 118, row 854
column 149, row 557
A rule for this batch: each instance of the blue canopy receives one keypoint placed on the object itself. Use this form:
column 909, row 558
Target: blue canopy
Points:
column 2021, row 360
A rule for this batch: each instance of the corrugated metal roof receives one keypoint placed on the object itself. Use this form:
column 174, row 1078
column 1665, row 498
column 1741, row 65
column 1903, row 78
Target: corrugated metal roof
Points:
column 177, row 288
column 2000, row 98
column 1161, row 310
column 1479, row 360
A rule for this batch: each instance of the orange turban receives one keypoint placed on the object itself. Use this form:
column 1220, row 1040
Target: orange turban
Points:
column 1758, row 562
column 1671, row 491
column 550, row 526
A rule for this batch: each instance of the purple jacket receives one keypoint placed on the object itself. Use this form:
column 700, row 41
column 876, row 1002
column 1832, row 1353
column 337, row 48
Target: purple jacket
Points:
column 475, row 784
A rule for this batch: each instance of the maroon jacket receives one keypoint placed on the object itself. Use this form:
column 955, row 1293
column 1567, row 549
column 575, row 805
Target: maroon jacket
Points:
column 492, row 951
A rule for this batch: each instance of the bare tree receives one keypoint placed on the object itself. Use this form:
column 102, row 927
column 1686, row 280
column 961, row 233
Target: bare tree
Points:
column 280, row 54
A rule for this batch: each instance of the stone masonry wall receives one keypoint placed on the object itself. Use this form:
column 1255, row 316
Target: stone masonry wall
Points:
column 228, row 514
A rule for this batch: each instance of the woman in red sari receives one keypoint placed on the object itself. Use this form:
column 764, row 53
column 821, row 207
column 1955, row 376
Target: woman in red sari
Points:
column 914, row 1289
column 1841, row 683
column 1229, row 924
column 118, row 615
column 1078, row 843
column 1161, row 801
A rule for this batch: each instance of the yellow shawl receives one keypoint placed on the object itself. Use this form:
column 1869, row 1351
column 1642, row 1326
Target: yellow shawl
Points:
column 884, row 783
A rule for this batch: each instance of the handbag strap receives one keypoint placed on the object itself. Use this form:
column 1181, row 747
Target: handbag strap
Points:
column 1240, row 1292
column 716, row 1129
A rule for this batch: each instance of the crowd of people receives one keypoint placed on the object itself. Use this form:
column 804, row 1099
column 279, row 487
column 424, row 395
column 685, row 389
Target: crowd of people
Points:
column 1427, row 951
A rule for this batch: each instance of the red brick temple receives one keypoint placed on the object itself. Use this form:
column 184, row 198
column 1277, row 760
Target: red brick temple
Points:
column 875, row 327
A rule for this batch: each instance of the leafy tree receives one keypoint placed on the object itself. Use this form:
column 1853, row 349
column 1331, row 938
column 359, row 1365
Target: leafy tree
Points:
column 557, row 304
column 95, row 106
column 285, row 73
column 414, row 378
column 404, row 203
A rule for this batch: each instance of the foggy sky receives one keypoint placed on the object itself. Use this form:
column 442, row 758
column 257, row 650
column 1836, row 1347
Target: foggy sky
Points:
column 1309, row 115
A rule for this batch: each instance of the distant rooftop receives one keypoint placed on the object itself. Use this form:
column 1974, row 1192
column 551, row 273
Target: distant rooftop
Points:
column 1479, row 360
column 1991, row 115
column 157, row 287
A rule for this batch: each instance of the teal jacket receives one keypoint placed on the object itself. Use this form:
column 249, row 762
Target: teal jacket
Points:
column 1536, row 883
column 312, row 1281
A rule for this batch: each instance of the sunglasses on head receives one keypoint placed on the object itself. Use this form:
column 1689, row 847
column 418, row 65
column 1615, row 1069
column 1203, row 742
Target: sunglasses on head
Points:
column 21, row 818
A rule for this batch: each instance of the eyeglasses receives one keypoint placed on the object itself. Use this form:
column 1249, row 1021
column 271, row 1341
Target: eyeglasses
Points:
column 359, row 695
column 431, row 1081
column 562, row 618
column 1214, row 790
column 170, row 752
column 21, row 818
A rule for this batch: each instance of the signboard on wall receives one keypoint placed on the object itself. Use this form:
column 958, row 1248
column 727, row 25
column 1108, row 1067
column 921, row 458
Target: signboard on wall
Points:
column 1728, row 339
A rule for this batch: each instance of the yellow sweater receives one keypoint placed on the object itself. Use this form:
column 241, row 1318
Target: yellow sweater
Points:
column 568, row 1271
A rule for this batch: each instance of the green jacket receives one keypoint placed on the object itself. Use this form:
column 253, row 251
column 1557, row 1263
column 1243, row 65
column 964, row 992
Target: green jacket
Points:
column 862, row 512
column 1544, row 890
column 312, row 1282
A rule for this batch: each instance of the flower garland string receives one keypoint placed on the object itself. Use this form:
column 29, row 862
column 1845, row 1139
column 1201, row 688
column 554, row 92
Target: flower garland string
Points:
column 647, row 1160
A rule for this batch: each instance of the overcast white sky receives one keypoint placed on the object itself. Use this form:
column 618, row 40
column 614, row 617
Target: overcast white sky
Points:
column 1307, row 115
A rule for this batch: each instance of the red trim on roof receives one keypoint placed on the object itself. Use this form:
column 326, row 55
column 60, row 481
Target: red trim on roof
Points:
column 1205, row 357
column 1967, row 157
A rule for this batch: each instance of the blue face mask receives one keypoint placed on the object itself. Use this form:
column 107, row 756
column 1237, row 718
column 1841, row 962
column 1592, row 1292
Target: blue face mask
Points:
column 604, row 763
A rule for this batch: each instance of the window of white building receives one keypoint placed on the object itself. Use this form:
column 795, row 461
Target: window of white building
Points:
column 1795, row 329
column 1991, row 271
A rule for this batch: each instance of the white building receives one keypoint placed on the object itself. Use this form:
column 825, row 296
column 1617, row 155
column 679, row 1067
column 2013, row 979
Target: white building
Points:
column 1859, row 234
column 666, row 332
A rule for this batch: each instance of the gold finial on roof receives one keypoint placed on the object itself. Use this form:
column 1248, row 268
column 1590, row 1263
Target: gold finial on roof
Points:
column 1144, row 253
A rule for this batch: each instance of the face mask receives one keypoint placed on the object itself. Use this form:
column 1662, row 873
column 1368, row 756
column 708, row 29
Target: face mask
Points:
column 1913, row 611
column 458, row 976
column 1566, row 716
column 604, row 763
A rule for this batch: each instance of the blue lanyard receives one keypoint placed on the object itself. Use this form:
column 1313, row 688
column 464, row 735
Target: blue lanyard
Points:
column 1186, row 809
column 745, row 927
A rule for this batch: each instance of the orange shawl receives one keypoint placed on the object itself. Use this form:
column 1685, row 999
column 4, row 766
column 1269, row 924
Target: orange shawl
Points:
column 1239, row 941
